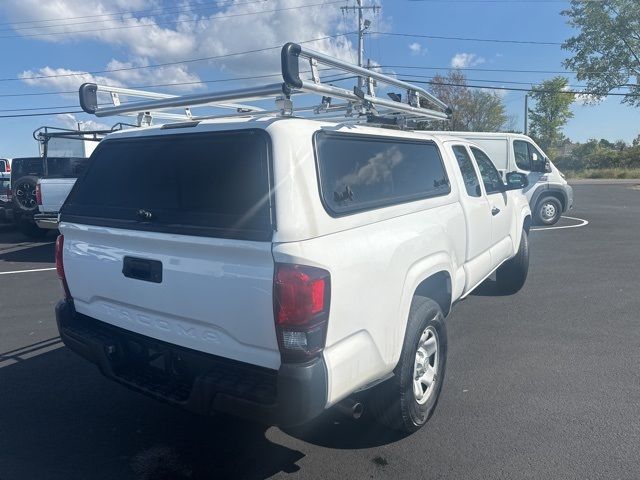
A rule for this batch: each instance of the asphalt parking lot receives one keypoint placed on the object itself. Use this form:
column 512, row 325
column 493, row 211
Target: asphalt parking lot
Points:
column 541, row 384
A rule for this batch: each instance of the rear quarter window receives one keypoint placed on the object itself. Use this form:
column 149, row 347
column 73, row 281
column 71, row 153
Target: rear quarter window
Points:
column 364, row 172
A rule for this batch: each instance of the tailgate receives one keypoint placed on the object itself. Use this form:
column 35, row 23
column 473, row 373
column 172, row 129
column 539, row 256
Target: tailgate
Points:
column 211, row 295
column 54, row 192
column 169, row 236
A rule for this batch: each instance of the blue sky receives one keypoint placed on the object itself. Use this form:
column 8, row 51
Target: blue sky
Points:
column 100, row 43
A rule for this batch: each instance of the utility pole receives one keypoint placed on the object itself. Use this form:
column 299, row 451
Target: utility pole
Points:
column 363, row 25
column 526, row 114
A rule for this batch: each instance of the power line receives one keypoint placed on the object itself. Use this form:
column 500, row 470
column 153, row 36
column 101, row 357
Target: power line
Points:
column 162, row 24
column 176, row 11
column 127, row 12
column 533, row 90
column 166, row 64
column 40, row 114
column 175, row 84
column 467, row 39
column 36, row 108
column 508, row 2
column 473, row 69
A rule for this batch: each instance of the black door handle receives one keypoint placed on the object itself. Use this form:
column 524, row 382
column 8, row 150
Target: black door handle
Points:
column 495, row 211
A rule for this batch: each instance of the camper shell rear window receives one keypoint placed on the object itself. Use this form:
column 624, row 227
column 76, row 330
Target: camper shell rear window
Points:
column 215, row 184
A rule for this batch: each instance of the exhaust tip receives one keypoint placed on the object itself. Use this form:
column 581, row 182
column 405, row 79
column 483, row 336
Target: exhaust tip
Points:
column 357, row 410
column 351, row 408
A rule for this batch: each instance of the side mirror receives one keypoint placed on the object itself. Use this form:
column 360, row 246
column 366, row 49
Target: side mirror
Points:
column 516, row 181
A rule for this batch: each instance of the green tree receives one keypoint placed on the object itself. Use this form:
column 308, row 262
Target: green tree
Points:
column 551, row 111
column 606, row 51
column 472, row 110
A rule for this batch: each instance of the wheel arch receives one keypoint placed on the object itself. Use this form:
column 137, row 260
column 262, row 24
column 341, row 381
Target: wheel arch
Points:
column 526, row 223
column 437, row 287
column 550, row 192
column 431, row 277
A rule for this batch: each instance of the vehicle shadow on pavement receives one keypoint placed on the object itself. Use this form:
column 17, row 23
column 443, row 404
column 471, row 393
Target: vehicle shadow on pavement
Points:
column 334, row 430
column 37, row 254
column 489, row 288
column 60, row 419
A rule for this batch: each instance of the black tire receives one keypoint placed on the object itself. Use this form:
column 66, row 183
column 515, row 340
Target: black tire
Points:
column 512, row 274
column 393, row 402
column 24, row 194
column 548, row 211
column 31, row 230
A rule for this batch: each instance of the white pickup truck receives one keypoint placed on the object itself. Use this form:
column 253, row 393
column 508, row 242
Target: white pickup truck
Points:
column 50, row 195
column 55, row 184
column 286, row 266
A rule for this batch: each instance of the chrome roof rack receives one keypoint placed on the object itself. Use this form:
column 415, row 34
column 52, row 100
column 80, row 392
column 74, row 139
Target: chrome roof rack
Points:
column 357, row 105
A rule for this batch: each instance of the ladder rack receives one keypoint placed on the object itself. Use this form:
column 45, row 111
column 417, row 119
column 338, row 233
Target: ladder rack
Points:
column 357, row 104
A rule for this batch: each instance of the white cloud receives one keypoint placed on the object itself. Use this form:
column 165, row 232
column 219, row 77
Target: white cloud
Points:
column 191, row 34
column 466, row 60
column 67, row 120
column 417, row 49
column 63, row 78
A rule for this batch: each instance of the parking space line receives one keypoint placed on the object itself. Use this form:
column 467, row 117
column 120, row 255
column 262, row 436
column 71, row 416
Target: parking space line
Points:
column 582, row 223
column 28, row 271
column 23, row 246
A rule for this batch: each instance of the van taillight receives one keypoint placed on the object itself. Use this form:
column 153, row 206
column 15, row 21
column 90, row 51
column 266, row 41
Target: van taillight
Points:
column 301, row 298
column 60, row 266
column 38, row 194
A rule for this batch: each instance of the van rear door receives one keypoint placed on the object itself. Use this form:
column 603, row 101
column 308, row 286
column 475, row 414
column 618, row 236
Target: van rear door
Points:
column 169, row 236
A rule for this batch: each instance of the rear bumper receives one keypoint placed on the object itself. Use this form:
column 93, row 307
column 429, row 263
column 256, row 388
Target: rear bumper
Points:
column 197, row 381
column 46, row 220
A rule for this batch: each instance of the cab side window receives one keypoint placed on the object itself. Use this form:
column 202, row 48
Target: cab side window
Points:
column 521, row 152
column 469, row 175
column 524, row 152
column 537, row 165
column 490, row 175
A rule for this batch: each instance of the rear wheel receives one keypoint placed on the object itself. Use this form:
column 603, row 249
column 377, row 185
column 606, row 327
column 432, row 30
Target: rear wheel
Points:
column 512, row 274
column 407, row 400
column 24, row 194
column 548, row 211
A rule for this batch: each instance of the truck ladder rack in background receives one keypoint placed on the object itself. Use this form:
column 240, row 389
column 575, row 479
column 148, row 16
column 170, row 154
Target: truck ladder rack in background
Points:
column 359, row 105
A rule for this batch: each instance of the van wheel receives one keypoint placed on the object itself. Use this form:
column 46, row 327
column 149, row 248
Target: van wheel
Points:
column 548, row 211
column 512, row 274
column 407, row 400
column 31, row 230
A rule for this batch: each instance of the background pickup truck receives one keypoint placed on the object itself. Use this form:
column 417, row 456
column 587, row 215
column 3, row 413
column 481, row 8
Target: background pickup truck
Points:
column 25, row 177
column 51, row 194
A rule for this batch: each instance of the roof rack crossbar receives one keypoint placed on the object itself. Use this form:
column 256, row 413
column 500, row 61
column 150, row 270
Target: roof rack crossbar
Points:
column 89, row 100
column 157, row 95
column 358, row 102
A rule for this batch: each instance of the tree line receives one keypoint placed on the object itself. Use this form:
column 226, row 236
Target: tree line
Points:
column 605, row 53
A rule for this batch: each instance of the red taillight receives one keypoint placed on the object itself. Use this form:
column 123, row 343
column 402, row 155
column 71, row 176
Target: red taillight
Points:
column 38, row 194
column 301, row 310
column 60, row 266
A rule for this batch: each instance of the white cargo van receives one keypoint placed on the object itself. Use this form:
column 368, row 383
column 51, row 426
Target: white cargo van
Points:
column 548, row 192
